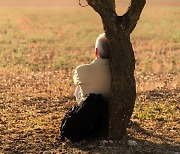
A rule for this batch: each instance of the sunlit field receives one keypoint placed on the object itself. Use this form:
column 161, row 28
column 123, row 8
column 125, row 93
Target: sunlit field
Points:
column 40, row 48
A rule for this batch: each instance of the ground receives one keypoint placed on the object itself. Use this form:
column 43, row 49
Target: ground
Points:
column 39, row 50
column 30, row 123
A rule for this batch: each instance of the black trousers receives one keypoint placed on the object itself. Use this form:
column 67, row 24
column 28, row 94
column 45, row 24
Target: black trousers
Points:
column 87, row 120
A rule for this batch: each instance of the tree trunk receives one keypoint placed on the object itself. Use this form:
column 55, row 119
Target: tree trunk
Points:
column 122, row 61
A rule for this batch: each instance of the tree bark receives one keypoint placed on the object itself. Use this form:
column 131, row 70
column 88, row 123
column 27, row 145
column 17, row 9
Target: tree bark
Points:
column 122, row 61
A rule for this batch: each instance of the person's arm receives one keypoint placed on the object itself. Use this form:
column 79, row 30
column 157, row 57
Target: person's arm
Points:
column 76, row 77
column 80, row 74
column 77, row 82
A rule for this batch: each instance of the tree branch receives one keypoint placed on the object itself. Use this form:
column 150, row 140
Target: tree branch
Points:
column 103, row 7
column 81, row 4
column 106, row 9
column 129, row 20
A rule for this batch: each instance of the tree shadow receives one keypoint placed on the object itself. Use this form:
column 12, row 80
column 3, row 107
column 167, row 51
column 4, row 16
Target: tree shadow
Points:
column 159, row 94
column 160, row 143
column 136, row 126
column 166, row 146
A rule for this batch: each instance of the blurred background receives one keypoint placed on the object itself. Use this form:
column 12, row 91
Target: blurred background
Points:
column 74, row 3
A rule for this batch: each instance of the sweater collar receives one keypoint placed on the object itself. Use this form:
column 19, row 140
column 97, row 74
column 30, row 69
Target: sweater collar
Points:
column 102, row 61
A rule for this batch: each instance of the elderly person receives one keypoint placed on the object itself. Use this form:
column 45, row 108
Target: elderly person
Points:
column 90, row 117
column 95, row 77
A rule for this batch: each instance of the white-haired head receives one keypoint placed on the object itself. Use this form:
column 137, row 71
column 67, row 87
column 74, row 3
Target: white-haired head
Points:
column 102, row 46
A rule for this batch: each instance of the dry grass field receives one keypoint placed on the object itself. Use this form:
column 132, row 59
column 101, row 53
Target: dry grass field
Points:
column 39, row 49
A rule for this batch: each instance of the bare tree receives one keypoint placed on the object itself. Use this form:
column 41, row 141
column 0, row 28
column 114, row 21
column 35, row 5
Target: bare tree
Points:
column 118, row 30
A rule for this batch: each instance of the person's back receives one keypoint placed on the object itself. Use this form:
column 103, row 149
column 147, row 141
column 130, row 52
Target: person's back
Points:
column 95, row 77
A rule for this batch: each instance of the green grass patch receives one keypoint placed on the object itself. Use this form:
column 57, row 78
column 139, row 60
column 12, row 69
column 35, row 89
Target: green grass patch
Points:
column 153, row 110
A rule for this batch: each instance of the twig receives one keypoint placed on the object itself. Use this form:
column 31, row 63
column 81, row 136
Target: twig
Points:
column 81, row 4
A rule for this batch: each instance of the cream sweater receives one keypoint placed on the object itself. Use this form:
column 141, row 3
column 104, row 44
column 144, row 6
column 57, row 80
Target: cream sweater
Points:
column 92, row 78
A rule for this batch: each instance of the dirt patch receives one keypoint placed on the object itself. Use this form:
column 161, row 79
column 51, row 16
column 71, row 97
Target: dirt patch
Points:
column 32, row 106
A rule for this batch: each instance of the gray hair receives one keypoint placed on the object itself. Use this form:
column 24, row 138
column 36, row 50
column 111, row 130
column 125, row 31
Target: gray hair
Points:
column 103, row 46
